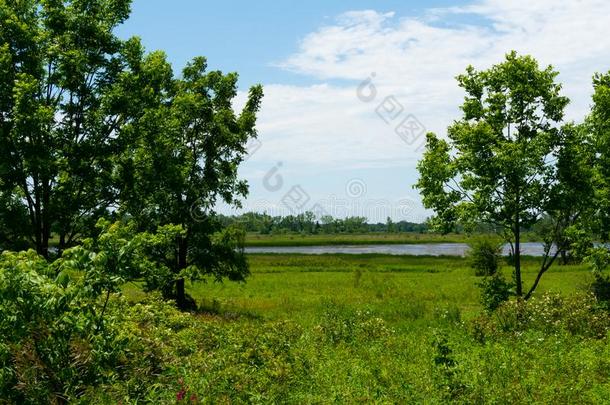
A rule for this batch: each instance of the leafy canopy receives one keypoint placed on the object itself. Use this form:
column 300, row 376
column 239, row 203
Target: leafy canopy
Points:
column 507, row 161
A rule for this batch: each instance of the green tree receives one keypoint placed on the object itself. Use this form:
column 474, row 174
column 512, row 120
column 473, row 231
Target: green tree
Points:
column 569, row 208
column 507, row 160
column 13, row 223
column 390, row 227
column 66, row 92
column 598, row 123
column 181, row 162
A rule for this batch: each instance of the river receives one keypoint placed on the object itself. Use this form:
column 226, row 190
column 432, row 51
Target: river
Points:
column 427, row 249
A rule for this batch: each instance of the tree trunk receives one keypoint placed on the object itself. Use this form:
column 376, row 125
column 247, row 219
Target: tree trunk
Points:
column 564, row 257
column 62, row 243
column 182, row 263
column 546, row 264
column 42, row 240
column 46, row 216
column 180, row 294
column 42, row 222
column 518, row 258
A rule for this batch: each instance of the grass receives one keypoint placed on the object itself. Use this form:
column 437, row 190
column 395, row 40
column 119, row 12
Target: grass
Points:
column 383, row 329
column 400, row 288
column 290, row 239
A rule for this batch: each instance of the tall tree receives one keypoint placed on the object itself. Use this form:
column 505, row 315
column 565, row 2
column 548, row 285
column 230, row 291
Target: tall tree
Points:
column 183, row 162
column 598, row 122
column 506, row 161
column 62, row 106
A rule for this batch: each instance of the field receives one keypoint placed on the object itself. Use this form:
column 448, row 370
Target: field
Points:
column 399, row 288
column 319, row 329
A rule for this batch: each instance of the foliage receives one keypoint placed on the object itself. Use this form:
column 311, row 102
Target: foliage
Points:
column 341, row 325
column 55, row 343
column 308, row 224
column 65, row 96
column 305, row 349
column 90, row 123
column 181, row 162
column 484, row 256
column 450, row 386
column 598, row 123
column 161, row 269
column 495, row 290
column 13, row 223
column 551, row 313
column 599, row 259
column 508, row 161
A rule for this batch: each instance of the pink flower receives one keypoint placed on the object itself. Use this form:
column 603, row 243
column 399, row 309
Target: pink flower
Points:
column 180, row 395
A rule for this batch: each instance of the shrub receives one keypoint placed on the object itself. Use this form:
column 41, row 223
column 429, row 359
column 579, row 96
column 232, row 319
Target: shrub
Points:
column 551, row 314
column 450, row 314
column 600, row 288
column 55, row 340
column 345, row 325
column 495, row 290
column 599, row 260
column 484, row 256
column 447, row 369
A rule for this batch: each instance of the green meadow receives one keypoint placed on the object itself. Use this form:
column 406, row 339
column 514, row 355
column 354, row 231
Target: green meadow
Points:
column 401, row 288
column 383, row 329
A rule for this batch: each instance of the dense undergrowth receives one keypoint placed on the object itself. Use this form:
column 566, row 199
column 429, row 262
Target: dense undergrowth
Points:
column 349, row 348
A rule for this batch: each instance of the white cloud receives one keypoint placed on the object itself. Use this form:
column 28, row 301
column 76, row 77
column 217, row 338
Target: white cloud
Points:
column 415, row 59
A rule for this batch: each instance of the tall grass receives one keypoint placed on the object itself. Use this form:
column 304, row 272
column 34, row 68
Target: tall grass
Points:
column 384, row 329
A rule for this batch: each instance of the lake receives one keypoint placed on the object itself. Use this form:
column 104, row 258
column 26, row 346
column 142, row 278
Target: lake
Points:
column 428, row 249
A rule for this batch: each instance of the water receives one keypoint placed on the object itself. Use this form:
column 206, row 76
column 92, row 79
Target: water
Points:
column 428, row 249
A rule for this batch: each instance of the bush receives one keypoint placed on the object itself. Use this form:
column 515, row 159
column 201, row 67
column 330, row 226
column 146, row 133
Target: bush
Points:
column 495, row 290
column 599, row 260
column 551, row 314
column 600, row 288
column 484, row 256
column 345, row 325
column 449, row 383
column 55, row 339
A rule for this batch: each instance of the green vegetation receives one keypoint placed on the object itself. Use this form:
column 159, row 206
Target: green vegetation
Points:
column 253, row 239
column 291, row 239
column 92, row 127
column 510, row 162
column 311, row 329
column 108, row 153
column 310, row 224
column 485, row 255
column 295, row 285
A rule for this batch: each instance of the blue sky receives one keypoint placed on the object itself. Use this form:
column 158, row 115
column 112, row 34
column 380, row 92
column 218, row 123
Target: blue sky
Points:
column 322, row 145
column 244, row 36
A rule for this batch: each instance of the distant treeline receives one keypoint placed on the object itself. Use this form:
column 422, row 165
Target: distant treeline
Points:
column 307, row 223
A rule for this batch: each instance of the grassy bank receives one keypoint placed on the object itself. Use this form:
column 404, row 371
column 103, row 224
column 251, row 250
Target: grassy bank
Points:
column 350, row 239
column 255, row 239
column 370, row 328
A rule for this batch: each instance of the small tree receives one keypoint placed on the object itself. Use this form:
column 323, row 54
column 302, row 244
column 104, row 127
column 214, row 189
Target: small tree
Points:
column 504, row 160
column 484, row 256
column 183, row 160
